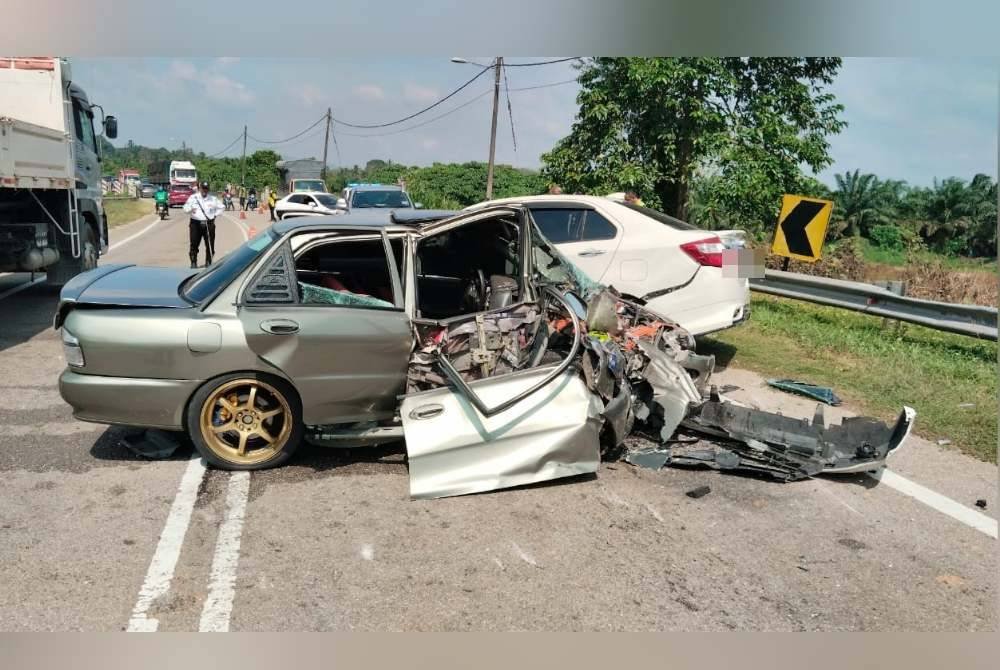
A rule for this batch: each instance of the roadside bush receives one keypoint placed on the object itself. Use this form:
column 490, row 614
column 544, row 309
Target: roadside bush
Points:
column 887, row 237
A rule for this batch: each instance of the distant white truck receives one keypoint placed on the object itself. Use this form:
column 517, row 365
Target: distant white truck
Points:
column 51, row 214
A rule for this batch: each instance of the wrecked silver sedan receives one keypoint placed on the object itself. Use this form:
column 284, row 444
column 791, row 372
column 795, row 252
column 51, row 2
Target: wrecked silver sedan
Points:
column 469, row 336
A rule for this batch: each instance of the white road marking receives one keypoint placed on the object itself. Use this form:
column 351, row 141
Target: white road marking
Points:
column 21, row 287
column 243, row 229
column 132, row 237
column 161, row 568
column 943, row 504
column 222, row 584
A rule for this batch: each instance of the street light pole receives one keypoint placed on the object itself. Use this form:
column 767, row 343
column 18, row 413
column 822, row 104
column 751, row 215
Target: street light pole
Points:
column 498, row 65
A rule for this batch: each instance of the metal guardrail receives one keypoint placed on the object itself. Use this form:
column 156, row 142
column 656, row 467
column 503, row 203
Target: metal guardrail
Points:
column 972, row 320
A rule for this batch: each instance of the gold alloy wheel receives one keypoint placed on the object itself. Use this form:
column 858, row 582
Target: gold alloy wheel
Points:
column 246, row 421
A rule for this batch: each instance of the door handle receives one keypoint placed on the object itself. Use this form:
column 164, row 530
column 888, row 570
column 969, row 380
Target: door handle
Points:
column 592, row 252
column 426, row 411
column 279, row 326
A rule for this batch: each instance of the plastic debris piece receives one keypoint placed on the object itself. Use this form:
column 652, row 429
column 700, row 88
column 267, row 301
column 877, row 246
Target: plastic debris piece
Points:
column 650, row 459
column 981, row 503
column 942, row 443
column 699, row 492
column 821, row 393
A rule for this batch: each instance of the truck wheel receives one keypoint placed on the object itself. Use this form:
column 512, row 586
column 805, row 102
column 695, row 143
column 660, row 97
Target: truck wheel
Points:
column 68, row 267
column 88, row 249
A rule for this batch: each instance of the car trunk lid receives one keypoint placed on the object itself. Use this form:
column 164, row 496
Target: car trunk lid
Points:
column 123, row 285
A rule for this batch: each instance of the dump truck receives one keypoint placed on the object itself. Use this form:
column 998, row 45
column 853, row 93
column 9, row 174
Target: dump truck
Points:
column 301, row 175
column 51, row 213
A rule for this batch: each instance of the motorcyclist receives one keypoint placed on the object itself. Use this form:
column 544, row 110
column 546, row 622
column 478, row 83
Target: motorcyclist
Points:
column 162, row 200
column 252, row 198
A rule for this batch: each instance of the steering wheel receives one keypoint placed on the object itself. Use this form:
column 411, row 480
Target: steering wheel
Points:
column 474, row 297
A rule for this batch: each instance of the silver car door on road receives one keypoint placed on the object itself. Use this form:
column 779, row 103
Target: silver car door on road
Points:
column 345, row 353
column 454, row 450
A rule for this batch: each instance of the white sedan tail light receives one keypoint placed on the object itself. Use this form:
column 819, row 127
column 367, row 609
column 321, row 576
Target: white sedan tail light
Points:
column 705, row 252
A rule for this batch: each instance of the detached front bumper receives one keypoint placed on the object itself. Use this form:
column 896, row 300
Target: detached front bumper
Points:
column 151, row 403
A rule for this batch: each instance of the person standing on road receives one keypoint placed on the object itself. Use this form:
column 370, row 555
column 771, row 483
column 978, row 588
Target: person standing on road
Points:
column 203, row 208
column 243, row 197
column 271, row 200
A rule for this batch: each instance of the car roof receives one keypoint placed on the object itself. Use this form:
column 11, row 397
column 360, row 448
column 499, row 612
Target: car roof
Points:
column 401, row 219
column 376, row 187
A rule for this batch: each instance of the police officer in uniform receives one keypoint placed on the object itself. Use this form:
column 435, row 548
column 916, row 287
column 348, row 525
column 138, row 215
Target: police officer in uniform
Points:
column 203, row 208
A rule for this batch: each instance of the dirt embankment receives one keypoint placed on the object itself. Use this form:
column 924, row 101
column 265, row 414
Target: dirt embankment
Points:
column 927, row 279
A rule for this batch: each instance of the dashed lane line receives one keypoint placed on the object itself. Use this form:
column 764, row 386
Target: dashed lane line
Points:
column 222, row 583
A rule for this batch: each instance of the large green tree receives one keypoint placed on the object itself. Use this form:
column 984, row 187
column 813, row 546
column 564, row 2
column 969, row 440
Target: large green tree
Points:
column 652, row 124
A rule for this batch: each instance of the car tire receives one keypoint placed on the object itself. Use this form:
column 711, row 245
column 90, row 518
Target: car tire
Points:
column 226, row 402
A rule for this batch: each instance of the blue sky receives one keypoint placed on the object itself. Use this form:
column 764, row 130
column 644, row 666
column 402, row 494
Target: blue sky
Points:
column 908, row 119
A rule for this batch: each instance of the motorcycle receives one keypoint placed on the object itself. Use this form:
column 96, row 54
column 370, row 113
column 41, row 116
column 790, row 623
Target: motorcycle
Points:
column 227, row 200
column 252, row 201
column 163, row 210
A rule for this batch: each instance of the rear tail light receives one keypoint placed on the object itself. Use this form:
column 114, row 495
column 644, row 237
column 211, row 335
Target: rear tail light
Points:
column 705, row 252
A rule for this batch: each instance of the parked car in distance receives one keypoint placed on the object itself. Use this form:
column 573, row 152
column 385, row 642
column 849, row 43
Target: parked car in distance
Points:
column 179, row 194
column 670, row 266
column 147, row 190
column 306, row 204
column 364, row 196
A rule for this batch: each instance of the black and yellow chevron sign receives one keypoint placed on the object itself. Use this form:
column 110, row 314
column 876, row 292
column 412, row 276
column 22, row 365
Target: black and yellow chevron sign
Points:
column 801, row 228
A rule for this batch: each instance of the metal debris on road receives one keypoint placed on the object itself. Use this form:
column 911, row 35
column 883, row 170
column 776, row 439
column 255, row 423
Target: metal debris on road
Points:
column 821, row 393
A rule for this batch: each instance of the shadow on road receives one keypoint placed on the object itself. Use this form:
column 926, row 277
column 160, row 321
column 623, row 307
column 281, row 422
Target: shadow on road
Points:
column 26, row 314
column 723, row 352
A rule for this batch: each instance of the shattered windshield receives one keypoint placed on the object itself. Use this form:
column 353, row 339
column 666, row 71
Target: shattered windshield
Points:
column 551, row 266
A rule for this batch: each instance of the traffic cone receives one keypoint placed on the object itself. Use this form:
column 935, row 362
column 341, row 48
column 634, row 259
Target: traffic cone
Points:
column 243, row 214
column 253, row 231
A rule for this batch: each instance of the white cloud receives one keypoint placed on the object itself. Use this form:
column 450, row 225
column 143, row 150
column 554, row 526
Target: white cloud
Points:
column 369, row 92
column 212, row 84
column 416, row 93
column 429, row 143
column 226, row 60
column 308, row 94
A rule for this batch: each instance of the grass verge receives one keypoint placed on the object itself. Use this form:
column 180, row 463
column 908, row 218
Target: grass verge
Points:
column 874, row 369
column 126, row 210
column 877, row 255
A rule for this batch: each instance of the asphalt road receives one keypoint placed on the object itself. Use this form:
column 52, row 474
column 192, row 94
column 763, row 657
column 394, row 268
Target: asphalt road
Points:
column 95, row 538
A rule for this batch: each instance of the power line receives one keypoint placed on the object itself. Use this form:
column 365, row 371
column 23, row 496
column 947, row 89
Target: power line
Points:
column 510, row 112
column 217, row 153
column 425, row 109
column 555, row 83
column 418, row 125
column 260, row 141
column 541, row 62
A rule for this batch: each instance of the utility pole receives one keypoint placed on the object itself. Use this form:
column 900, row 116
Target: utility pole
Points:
column 243, row 161
column 326, row 142
column 498, row 65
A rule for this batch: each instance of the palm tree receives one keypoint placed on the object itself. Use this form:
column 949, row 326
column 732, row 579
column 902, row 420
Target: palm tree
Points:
column 859, row 202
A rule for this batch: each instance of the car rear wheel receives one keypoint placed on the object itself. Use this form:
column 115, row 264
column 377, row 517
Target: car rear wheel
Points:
column 245, row 421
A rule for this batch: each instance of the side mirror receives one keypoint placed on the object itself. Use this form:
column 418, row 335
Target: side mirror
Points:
column 111, row 127
column 341, row 203
column 418, row 205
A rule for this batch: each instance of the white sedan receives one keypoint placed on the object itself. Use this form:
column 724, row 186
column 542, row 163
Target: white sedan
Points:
column 671, row 266
column 306, row 204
